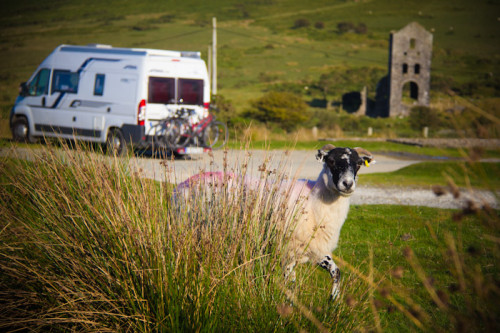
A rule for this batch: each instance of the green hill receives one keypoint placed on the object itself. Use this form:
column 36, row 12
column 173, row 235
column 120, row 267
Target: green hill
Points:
column 262, row 43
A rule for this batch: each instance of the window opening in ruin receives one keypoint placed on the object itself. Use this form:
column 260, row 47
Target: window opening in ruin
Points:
column 410, row 92
column 417, row 69
column 413, row 43
column 405, row 68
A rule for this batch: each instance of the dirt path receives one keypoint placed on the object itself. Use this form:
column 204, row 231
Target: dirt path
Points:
column 421, row 197
column 299, row 164
column 303, row 164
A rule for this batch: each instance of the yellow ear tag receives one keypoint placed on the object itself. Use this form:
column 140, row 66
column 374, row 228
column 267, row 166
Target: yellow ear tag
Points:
column 366, row 163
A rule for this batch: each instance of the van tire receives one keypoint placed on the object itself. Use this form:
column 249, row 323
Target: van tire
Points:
column 115, row 143
column 21, row 131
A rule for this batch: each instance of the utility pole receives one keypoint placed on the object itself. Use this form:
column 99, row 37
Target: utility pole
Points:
column 214, row 56
column 209, row 61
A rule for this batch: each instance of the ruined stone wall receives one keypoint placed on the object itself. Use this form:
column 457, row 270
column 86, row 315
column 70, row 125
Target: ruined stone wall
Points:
column 410, row 53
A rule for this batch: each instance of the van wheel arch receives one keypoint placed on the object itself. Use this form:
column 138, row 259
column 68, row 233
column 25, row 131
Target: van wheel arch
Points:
column 20, row 129
column 115, row 142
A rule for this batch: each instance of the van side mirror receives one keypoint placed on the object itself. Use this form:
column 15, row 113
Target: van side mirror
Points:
column 23, row 89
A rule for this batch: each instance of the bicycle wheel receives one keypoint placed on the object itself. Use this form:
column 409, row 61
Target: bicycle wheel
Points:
column 178, row 133
column 215, row 135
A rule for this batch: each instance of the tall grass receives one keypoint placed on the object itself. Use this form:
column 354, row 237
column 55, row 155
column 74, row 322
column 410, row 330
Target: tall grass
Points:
column 87, row 244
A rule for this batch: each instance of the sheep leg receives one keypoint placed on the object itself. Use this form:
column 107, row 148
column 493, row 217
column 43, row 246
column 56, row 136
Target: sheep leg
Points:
column 328, row 264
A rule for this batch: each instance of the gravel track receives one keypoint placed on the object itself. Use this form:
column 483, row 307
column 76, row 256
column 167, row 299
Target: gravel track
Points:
column 303, row 164
column 298, row 164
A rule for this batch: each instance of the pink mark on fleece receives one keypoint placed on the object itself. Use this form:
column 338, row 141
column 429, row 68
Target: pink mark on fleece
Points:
column 299, row 188
column 217, row 177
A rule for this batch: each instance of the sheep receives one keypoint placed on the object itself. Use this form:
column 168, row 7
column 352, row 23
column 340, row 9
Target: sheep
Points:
column 317, row 231
column 325, row 206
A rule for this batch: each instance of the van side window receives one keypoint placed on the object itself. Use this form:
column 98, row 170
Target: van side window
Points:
column 65, row 81
column 40, row 83
column 191, row 91
column 99, row 85
column 161, row 90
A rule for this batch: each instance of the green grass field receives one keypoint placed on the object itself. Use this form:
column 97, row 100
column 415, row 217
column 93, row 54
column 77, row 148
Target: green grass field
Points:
column 86, row 245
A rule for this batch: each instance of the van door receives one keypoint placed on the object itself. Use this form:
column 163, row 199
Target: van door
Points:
column 51, row 118
column 88, row 108
column 190, row 95
column 39, row 100
column 161, row 102
column 104, row 100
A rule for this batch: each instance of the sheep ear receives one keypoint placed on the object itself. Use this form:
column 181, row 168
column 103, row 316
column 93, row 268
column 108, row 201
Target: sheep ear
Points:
column 365, row 155
column 324, row 151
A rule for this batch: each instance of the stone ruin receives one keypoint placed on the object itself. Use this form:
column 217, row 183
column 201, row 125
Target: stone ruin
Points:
column 410, row 52
column 408, row 81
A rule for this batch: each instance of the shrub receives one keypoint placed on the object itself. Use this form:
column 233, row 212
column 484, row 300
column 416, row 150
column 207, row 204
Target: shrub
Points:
column 344, row 27
column 301, row 23
column 319, row 25
column 361, row 29
column 423, row 116
column 281, row 108
column 224, row 108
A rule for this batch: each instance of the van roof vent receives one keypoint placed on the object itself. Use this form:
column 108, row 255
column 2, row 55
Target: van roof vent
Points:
column 191, row 54
column 100, row 46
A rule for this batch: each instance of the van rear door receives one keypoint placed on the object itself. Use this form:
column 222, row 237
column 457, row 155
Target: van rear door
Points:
column 161, row 102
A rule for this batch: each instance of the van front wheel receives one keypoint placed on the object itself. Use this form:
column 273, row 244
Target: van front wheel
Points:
column 21, row 131
column 115, row 143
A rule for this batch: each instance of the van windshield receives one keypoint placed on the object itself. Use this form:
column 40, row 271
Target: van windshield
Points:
column 40, row 83
column 191, row 91
column 161, row 90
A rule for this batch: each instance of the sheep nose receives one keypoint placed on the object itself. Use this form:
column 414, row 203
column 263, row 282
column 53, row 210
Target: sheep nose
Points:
column 347, row 183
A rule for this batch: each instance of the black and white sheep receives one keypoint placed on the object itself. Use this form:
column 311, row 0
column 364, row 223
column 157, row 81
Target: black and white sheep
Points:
column 325, row 204
column 317, row 232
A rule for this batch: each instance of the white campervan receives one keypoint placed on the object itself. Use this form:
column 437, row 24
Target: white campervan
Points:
column 110, row 95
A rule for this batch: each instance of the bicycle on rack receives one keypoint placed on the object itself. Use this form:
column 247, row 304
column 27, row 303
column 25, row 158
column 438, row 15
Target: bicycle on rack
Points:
column 167, row 133
column 179, row 131
column 208, row 132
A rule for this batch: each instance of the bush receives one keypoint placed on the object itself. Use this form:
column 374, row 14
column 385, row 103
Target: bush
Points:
column 423, row 116
column 319, row 25
column 224, row 108
column 344, row 27
column 280, row 108
column 361, row 29
column 301, row 23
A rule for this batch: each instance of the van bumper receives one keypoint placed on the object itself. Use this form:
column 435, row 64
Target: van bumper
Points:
column 134, row 134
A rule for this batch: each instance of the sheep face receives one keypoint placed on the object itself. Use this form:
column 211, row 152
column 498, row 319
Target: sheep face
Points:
column 341, row 166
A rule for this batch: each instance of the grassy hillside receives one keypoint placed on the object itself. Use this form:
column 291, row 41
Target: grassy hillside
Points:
column 259, row 43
